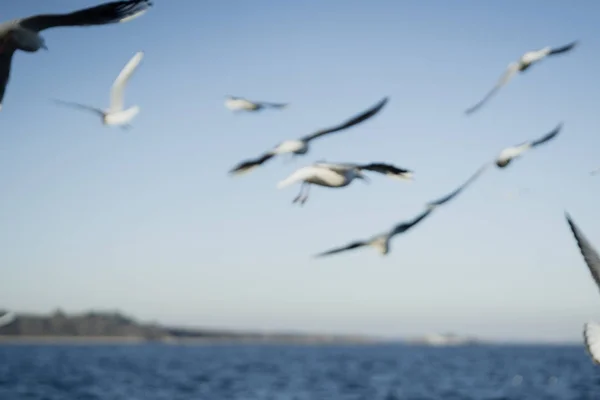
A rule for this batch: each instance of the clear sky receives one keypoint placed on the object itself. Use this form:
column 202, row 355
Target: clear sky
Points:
column 149, row 222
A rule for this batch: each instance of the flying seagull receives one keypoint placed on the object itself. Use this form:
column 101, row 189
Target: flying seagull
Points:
column 23, row 34
column 381, row 242
column 300, row 146
column 338, row 175
column 241, row 104
column 510, row 153
column 526, row 61
column 595, row 172
column 591, row 330
column 115, row 114
column 7, row 318
column 457, row 191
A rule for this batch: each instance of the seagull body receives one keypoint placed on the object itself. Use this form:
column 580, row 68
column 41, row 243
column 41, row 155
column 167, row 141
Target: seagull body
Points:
column 380, row 242
column 23, row 33
column 521, row 65
column 116, row 114
column 301, row 146
column 507, row 155
column 337, row 176
column 591, row 330
column 241, row 104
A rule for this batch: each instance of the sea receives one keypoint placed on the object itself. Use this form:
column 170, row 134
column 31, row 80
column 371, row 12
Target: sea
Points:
column 296, row 372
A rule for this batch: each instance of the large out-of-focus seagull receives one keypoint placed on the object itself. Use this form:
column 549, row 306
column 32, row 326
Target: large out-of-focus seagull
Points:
column 526, row 61
column 591, row 330
column 457, row 191
column 240, row 104
column 337, row 175
column 115, row 114
column 7, row 318
column 510, row 153
column 23, row 33
column 300, row 146
column 380, row 242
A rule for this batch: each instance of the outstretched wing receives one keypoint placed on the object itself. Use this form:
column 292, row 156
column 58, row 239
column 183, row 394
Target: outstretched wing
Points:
column 248, row 165
column 563, row 49
column 351, row 122
column 404, row 226
column 118, row 87
column 548, row 136
column 504, row 79
column 107, row 13
column 589, row 253
column 591, row 338
column 79, row 106
column 273, row 105
column 462, row 187
column 354, row 245
column 388, row 169
column 6, row 55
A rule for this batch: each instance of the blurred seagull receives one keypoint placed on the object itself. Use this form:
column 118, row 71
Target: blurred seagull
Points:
column 456, row 192
column 509, row 154
column 241, row 104
column 591, row 330
column 338, row 175
column 595, row 172
column 526, row 61
column 7, row 319
column 300, row 146
column 381, row 242
column 115, row 114
column 23, row 34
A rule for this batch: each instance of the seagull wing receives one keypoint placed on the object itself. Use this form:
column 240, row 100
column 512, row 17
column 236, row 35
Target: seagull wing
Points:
column 351, row 122
column 80, row 106
column 354, row 245
column 248, row 165
column 273, row 105
column 5, row 65
column 107, row 13
column 388, row 169
column 450, row 196
column 118, row 87
column 404, row 226
column 504, row 79
column 563, row 49
column 589, row 253
column 548, row 136
column 591, row 338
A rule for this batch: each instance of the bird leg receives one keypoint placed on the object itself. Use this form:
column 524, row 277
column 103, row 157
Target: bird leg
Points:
column 305, row 195
column 302, row 196
column 126, row 127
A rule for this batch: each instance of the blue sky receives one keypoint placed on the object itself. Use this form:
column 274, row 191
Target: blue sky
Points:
column 149, row 222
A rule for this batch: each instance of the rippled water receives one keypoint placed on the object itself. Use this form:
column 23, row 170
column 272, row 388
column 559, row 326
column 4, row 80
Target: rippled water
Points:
column 232, row 372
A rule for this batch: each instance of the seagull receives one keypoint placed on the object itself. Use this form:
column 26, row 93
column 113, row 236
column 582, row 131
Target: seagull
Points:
column 23, row 33
column 380, row 242
column 456, row 192
column 115, row 114
column 595, row 172
column 7, row 319
column 591, row 330
column 300, row 146
column 338, row 175
column 510, row 153
column 241, row 104
column 526, row 61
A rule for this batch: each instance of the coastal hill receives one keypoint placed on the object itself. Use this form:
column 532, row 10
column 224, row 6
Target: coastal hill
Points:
column 114, row 326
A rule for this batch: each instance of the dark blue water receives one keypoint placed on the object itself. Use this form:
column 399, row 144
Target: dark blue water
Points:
column 164, row 372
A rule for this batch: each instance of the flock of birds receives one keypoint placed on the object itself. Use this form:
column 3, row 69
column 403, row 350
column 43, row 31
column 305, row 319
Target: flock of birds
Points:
column 24, row 34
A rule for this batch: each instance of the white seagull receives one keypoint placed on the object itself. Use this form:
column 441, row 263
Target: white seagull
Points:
column 591, row 330
column 380, row 242
column 338, row 175
column 457, row 191
column 7, row 319
column 510, row 153
column 300, row 146
column 241, row 104
column 23, row 33
column 116, row 114
column 526, row 61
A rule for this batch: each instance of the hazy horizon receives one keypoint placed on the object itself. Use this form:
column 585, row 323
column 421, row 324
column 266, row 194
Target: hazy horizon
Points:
column 148, row 221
